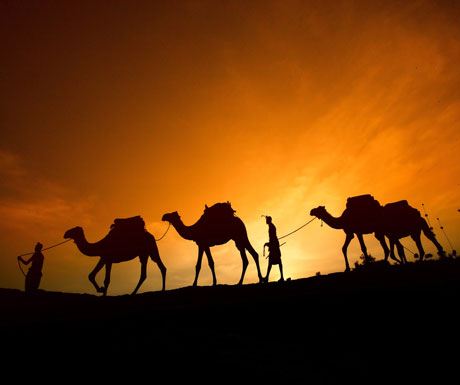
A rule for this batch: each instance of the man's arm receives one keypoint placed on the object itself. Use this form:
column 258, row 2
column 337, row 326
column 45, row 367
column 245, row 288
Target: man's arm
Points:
column 25, row 262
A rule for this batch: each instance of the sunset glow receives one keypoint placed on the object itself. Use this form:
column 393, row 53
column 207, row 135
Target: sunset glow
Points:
column 119, row 109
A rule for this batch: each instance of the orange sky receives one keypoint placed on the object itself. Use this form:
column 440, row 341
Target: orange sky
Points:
column 122, row 108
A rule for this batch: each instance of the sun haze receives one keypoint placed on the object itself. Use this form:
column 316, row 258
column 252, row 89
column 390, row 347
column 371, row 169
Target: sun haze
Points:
column 119, row 109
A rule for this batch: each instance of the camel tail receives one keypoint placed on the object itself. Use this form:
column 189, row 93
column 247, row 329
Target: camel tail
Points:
column 426, row 229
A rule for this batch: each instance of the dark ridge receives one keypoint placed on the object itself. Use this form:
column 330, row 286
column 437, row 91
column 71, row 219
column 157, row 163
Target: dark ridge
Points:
column 381, row 323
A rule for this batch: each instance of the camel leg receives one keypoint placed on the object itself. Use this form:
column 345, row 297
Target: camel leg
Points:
column 108, row 270
column 381, row 239
column 244, row 259
column 198, row 265
column 254, row 254
column 162, row 268
column 211, row 265
column 363, row 246
column 418, row 242
column 392, row 250
column 143, row 259
column 401, row 253
column 92, row 275
column 349, row 237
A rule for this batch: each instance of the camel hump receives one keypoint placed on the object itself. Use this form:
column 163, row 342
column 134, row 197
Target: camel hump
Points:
column 132, row 224
column 403, row 204
column 400, row 208
column 219, row 211
column 363, row 202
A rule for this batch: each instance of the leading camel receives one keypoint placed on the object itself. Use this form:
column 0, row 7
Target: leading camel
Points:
column 365, row 215
column 352, row 222
column 115, row 249
column 216, row 227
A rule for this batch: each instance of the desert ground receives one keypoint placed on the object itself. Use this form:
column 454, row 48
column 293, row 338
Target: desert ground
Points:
column 380, row 324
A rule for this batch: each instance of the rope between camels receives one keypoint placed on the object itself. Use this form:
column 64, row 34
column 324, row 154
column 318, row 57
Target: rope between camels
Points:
column 409, row 250
column 292, row 232
column 159, row 239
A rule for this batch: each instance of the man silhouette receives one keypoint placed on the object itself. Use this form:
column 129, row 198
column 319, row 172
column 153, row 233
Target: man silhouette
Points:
column 273, row 244
column 34, row 275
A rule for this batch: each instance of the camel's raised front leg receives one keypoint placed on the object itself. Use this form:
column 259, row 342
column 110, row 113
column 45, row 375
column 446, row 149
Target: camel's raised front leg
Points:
column 348, row 238
column 211, row 265
column 244, row 259
column 92, row 275
column 198, row 265
column 108, row 270
column 143, row 259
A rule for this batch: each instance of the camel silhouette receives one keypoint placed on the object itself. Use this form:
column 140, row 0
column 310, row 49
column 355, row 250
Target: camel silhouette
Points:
column 361, row 216
column 216, row 226
column 396, row 220
column 121, row 244
column 401, row 220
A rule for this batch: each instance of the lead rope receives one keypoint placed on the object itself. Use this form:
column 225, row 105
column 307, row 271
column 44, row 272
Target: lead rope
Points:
column 159, row 239
column 46, row 248
column 20, row 268
column 292, row 232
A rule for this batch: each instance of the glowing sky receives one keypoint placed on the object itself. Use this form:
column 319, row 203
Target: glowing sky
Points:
column 114, row 109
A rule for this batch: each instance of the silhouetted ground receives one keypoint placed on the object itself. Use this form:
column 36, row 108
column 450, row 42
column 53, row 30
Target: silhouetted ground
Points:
column 387, row 324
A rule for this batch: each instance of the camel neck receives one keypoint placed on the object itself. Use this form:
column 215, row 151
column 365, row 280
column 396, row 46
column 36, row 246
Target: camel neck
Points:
column 184, row 231
column 335, row 223
column 85, row 247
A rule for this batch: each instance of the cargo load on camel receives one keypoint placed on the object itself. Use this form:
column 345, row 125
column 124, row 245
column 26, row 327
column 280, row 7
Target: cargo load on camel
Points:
column 364, row 202
column 128, row 225
column 124, row 230
column 401, row 209
column 219, row 212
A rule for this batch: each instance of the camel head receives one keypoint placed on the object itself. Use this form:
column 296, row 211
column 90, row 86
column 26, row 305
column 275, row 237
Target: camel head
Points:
column 74, row 233
column 318, row 212
column 171, row 217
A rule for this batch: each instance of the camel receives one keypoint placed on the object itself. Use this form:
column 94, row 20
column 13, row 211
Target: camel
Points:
column 352, row 224
column 394, row 220
column 362, row 215
column 400, row 220
column 116, row 247
column 217, row 226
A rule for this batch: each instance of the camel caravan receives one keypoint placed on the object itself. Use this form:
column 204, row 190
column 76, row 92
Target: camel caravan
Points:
column 128, row 239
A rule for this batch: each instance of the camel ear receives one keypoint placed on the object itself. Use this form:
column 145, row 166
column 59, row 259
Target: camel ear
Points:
column 206, row 206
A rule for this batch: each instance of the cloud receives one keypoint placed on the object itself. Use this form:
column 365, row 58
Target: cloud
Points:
column 30, row 204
